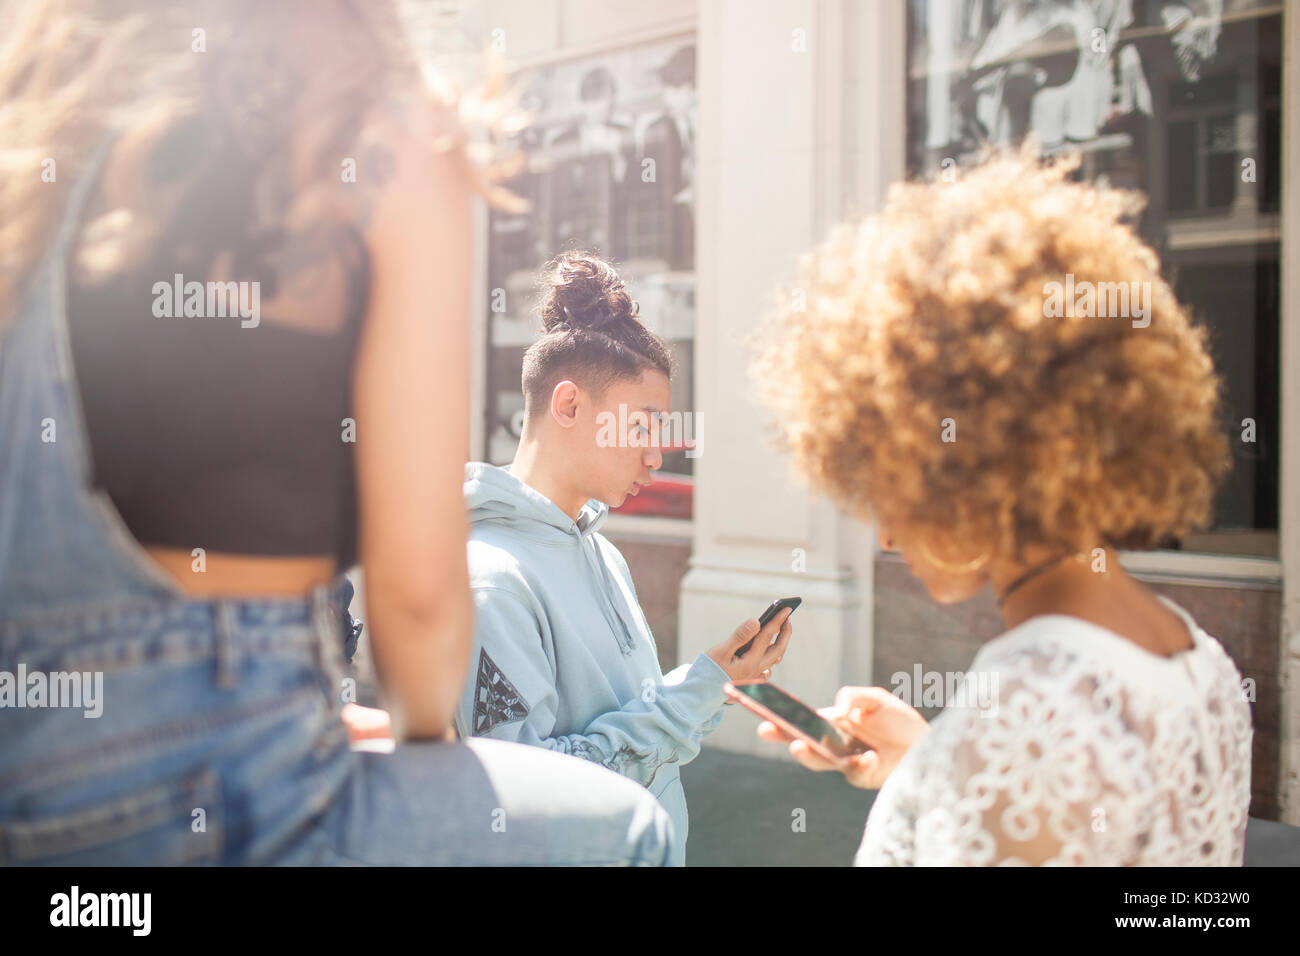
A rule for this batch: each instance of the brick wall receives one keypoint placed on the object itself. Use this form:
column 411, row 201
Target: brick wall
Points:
column 911, row 628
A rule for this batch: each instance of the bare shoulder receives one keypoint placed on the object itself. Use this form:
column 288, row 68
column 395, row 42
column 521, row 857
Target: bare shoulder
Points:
column 410, row 161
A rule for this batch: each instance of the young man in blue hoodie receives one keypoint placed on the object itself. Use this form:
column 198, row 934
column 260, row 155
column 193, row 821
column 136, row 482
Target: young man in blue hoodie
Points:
column 564, row 657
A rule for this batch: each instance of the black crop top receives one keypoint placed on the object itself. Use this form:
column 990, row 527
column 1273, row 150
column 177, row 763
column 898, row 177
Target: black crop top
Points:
column 215, row 432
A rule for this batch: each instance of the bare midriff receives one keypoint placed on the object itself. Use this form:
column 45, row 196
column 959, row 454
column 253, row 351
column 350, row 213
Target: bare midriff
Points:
column 217, row 574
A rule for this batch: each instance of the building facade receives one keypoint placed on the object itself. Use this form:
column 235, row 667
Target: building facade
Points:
column 704, row 145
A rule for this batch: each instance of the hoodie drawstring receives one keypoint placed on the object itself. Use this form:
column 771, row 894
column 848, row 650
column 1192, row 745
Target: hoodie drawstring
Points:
column 618, row 626
column 493, row 494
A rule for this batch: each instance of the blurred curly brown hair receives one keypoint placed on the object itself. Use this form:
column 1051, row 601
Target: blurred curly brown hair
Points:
column 1070, row 431
column 327, row 77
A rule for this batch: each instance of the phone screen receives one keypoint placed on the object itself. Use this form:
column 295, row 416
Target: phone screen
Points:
column 803, row 717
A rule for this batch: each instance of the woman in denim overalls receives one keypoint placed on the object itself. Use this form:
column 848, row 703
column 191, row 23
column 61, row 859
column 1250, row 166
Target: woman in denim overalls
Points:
column 203, row 727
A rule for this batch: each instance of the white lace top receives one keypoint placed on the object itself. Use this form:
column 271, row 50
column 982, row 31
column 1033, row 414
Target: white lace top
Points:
column 1094, row 752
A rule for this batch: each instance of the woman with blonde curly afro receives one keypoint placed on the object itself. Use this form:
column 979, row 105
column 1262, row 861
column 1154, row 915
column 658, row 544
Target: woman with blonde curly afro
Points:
column 995, row 372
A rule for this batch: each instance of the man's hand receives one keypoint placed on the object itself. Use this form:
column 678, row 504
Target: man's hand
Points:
column 762, row 656
column 870, row 714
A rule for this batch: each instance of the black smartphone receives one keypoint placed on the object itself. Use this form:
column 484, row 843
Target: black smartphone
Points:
column 765, row 618
column 797, row 719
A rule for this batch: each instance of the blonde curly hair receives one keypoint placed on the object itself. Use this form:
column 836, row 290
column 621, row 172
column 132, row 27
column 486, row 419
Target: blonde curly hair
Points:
column 916, row 371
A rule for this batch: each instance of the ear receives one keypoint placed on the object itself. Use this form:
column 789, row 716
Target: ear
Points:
column 564, row 403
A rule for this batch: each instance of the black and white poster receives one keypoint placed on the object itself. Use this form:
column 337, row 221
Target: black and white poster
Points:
column 1179, row 100
column 611, row 153
column 1069, row 71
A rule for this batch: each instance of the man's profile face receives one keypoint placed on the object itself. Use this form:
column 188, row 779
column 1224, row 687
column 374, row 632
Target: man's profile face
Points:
column 621, row 435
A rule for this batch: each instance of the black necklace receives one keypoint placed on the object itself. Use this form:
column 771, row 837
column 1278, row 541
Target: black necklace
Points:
column 1029, row 576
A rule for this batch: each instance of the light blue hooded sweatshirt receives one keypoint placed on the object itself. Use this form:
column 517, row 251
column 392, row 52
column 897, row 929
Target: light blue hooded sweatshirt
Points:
column 563, row 656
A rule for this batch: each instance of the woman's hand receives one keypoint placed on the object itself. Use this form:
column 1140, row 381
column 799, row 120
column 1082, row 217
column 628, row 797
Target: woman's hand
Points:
column 366, row 723
column 872, row 715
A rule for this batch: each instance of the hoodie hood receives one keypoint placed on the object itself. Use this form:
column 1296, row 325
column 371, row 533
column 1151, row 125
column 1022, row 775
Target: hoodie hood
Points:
column 494, row 496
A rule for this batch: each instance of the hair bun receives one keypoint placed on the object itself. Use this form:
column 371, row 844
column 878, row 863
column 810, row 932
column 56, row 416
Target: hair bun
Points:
column 581, row 291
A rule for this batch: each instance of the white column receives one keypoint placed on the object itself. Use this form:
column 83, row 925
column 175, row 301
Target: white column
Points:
column 801, row 113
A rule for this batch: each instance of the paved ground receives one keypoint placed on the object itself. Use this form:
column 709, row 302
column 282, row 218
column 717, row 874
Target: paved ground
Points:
column 1272, row 844
column 742, row 810
column 743, row 813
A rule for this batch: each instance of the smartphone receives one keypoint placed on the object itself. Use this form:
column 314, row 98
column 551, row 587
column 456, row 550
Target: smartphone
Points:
column 765, row 618
column 797, row 719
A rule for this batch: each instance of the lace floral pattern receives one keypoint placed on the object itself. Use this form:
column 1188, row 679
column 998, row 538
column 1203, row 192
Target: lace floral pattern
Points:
column 1094, row 753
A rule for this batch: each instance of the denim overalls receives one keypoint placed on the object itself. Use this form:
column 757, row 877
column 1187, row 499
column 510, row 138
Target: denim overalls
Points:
column 141, row 726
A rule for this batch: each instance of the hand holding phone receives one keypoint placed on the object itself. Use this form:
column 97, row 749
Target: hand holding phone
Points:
column 746, row 656
column 872, row 715
column 772, row 610
column 797, row 721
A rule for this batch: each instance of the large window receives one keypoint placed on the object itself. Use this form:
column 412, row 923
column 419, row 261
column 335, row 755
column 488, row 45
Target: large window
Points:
column 1180, row 100
column 611, row 170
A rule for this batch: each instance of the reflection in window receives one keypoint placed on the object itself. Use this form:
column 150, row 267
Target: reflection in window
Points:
column 1180, row 100
column 611, row 166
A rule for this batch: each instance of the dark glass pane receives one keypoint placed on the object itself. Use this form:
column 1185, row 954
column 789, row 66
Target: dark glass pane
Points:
column 1184, row 160
column 1207, row 91
column 1270, row 180
column 1221, row 169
